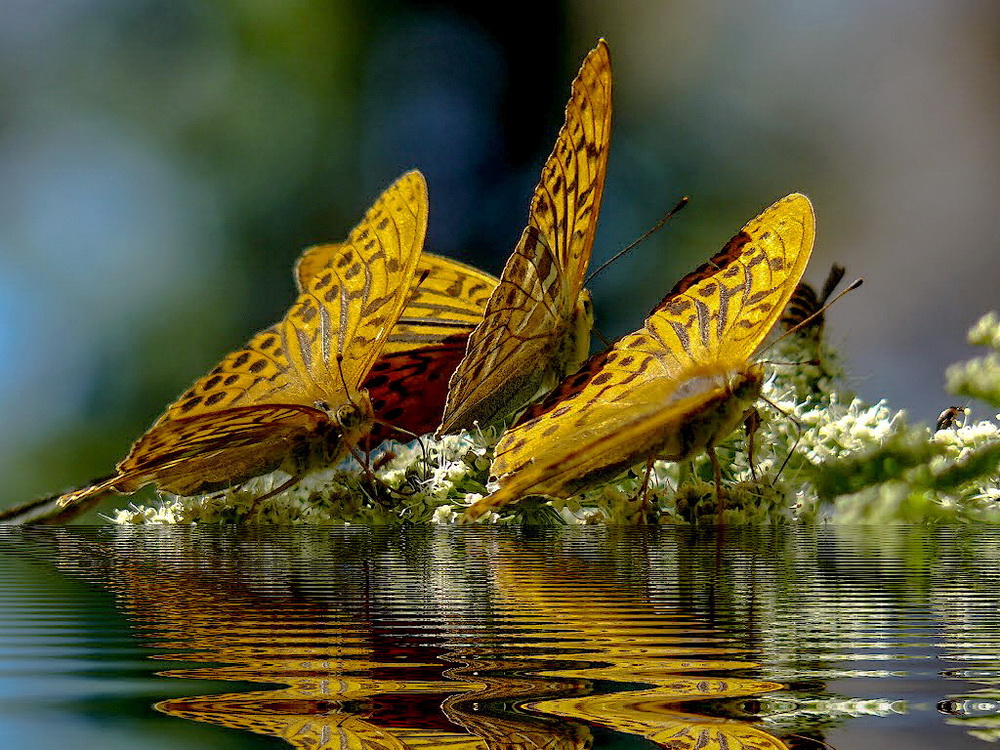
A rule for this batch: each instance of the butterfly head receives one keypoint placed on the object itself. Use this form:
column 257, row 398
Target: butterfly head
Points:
column 349, row 417
column 349, row 422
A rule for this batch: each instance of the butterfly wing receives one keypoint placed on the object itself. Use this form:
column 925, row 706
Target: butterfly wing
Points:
column 217, row 449
column 507, row 356
column 312, row 260
column 719, row 314
column 258, row 373
column 409, row 381
column 447, row 302
column 527, row 338
column 675, row 385
column 337, row 328
column 336, row 303
column 260, row 404
column 448, row 297
column 616, row 422
column 408, row 389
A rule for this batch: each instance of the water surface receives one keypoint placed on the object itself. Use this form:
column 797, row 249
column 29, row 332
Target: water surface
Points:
column 499, row 638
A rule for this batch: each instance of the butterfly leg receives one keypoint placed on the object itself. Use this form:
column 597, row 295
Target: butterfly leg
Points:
column 385, row 458
column 377, row 489
column 291, row 482
column 645, row 507
column 751, row 423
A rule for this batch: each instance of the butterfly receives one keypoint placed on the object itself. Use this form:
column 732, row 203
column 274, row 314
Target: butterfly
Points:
column 293, row 397
column 537, row 323
column 409, row 381
column 804, row 308
column 678, row 385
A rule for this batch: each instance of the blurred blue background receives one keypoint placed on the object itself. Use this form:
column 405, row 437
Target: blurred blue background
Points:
column 162, row 163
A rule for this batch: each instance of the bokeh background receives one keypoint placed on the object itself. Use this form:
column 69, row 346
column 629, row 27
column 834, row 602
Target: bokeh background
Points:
column 162, row 162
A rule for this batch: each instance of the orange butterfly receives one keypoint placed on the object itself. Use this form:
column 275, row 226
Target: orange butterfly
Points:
column 293, row 397
column 537, row 323
column 678, row 385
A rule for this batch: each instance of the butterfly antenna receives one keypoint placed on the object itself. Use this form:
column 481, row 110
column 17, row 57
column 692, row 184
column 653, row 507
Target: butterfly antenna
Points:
column 604, row 339
column 656, row 227
column 854, row 285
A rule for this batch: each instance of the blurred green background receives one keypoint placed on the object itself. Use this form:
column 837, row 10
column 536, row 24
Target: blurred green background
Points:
column 163, row 162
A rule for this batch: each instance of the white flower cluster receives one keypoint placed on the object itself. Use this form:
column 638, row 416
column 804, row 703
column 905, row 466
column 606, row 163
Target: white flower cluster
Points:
column 817, row 453
column 428, row 480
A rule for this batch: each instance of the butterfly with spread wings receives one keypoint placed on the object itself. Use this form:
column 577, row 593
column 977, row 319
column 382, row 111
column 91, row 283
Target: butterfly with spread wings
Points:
column 678, row 385
column 293, row 398
column 537, row 323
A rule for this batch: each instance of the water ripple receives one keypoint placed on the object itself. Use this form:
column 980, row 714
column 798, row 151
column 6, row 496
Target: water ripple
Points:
column 494, row 638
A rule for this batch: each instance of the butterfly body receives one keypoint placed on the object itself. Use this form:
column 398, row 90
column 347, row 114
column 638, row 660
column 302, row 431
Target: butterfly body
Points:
column 574, row 345
column 292, row 398
column 677, row 386
column 804, row 310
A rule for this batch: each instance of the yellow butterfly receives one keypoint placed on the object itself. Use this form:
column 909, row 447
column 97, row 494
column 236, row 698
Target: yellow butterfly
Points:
column 537, row 323
column 293, row 397
column 408, row 383
column 678, row 385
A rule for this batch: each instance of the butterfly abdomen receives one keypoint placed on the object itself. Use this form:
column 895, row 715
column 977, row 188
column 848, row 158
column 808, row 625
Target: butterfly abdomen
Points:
column 804, row 306
column 803, row 303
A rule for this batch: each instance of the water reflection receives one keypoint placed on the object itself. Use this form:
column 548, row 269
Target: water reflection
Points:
column 489, row 638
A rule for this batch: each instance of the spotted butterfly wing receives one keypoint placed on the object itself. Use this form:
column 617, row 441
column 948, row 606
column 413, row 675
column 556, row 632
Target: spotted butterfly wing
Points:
column 409, row 381
column 677, row 385
column 536, row 327
column 292, row 398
